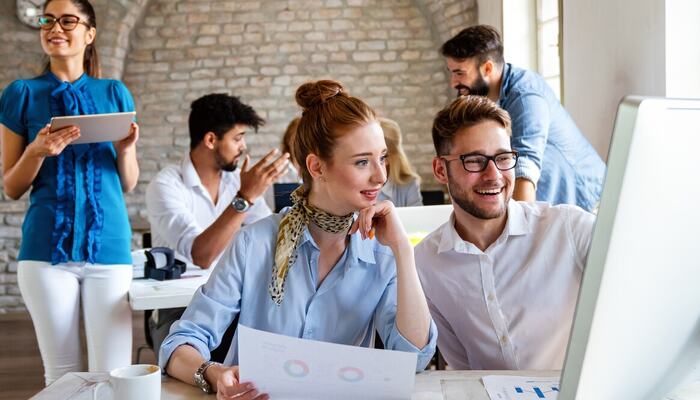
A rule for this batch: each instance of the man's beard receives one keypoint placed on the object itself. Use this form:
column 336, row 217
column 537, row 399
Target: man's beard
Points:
column 226, row 165
column 470, row 207
column 479, row 88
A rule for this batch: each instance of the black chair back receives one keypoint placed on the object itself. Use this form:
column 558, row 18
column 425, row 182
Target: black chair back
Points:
column 282, row 193
column 433, row 197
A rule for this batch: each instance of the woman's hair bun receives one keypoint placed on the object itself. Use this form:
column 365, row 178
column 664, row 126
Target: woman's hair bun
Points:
column 312, row 94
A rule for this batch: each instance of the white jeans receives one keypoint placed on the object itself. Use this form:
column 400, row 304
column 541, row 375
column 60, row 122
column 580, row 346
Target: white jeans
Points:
column 53, row 295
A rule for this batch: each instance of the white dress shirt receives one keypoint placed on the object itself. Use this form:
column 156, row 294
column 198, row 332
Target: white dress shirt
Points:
column 180, row 208
column 511, row 306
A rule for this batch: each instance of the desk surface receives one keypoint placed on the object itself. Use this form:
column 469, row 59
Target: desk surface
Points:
column 150, row 294
column 429, row 385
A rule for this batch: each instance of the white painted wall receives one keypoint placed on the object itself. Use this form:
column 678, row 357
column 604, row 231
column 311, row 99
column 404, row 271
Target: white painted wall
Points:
column 490, row 12
column 611, row 49
column 683, row 48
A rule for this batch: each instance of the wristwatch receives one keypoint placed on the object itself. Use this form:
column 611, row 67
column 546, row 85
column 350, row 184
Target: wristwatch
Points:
column 240, row 204
column 199, row 378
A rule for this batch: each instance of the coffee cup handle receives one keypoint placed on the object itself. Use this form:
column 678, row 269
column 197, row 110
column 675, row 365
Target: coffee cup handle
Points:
column 97, row 389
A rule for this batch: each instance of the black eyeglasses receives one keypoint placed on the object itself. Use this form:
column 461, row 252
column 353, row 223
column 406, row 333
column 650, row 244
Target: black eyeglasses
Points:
column 478, row 162
column 67, row 22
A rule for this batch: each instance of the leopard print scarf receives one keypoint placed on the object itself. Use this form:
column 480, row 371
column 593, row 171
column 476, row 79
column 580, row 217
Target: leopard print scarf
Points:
column 291, row 228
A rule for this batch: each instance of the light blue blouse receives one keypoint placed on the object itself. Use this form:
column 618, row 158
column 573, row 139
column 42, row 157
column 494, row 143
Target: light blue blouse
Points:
column 76, row 206
column 356, row 297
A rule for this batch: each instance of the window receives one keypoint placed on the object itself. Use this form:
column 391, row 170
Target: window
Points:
column 531, row 37
column 548, row 43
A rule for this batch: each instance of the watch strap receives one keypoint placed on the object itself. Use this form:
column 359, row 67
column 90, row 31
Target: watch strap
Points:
column 240, row 195
column 201, row 380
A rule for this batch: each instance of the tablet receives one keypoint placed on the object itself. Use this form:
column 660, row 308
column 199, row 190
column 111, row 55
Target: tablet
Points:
column 95, row 128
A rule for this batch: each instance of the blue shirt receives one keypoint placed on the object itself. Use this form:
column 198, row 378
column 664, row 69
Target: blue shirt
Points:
column 553, row 153
column 99, row 233
column 357, row 296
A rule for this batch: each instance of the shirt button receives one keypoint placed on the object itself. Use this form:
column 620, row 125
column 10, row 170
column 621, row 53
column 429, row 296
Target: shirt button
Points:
column 491, row 297
column 504, row 339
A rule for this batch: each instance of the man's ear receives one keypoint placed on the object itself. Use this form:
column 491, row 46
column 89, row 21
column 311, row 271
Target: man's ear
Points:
column 209, row 140
column 315, row 166
column 440, row 170
column 487, row 68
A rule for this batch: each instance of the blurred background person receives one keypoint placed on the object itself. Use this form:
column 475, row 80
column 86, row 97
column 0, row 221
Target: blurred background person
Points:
column 403, row 184
column 278, row 195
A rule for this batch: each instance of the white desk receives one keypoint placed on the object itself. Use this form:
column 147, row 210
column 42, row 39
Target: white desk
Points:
column 430, row 385
column 150, row 294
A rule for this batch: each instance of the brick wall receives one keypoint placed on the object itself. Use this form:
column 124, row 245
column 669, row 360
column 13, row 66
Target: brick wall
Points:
column 170, row 52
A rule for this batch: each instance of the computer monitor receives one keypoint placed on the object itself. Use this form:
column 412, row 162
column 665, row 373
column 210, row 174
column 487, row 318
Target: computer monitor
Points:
column 636, row 330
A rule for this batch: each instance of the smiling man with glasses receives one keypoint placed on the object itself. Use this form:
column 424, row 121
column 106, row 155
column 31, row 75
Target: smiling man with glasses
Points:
column 501, row 276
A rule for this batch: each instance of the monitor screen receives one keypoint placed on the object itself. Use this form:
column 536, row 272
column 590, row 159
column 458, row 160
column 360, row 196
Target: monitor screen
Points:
column 636, row 330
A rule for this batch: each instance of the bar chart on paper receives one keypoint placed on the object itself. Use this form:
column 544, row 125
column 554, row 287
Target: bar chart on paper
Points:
column 521, row 387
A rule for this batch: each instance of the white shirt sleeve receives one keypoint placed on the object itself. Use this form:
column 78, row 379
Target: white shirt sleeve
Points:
column 580, row 226
column 171, row 219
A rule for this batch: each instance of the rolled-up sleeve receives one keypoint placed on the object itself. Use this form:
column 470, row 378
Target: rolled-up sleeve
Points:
column 529, row 113
column 213, row 308
column 170, row 217
column 385, row 321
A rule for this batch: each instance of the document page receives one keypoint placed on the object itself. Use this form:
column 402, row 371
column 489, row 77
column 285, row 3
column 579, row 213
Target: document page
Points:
column 291, row 368
column 75, row 386
column 502, row 387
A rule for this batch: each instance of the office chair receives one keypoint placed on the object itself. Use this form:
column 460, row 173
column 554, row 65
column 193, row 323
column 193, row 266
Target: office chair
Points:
column 282, row 194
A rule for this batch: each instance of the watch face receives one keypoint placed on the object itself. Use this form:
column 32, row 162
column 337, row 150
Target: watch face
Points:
column 28, row 11
column 240, row 204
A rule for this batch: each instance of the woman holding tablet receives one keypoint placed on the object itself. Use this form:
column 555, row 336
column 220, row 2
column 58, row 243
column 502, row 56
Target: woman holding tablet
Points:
column 318, row 271
column 75, row 249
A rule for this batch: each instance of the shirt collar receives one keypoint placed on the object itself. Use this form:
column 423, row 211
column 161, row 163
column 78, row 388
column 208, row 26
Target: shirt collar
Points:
column 516, row 224
column 505, row 82
column 358, row 249
column 189, row 174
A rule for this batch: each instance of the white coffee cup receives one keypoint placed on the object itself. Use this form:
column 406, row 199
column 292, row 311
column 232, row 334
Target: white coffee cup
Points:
column 139, row 381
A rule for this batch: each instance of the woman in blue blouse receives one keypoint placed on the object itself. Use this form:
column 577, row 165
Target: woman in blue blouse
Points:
column 75, row 248
column 317, row 271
